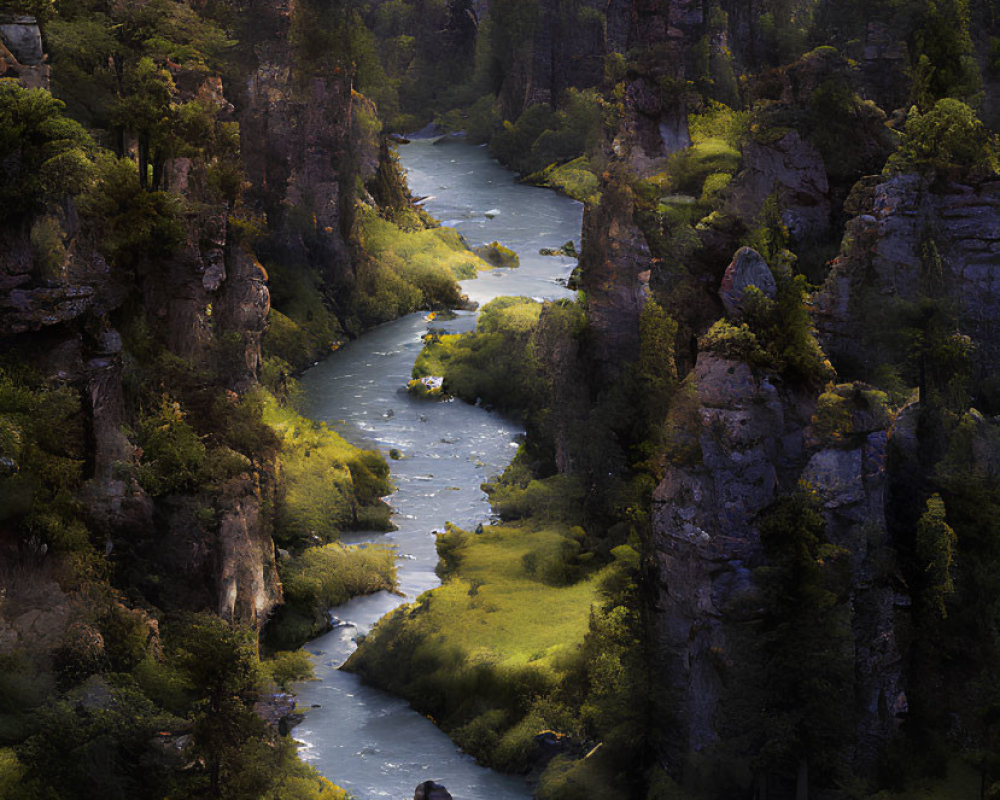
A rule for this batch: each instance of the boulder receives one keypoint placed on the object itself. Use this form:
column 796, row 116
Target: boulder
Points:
column 23, row 39
column 431, row 790
column 748, row 268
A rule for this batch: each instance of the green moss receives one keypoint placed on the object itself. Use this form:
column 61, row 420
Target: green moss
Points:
column 691, row 167
column 711, row 189
column 847, row 410
column 495, row 254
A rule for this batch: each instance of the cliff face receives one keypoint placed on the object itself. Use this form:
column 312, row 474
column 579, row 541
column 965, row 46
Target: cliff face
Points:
column 909, row 241
column 615, row 268
column 206, row 302
column 298, row 149
column 750, row 438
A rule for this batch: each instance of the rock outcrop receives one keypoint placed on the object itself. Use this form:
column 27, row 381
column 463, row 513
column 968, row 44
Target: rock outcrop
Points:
column 746, row 439
column 792, row 169
column 615, row 265
column 21, row 53
column 911, row 241
column 748, row 268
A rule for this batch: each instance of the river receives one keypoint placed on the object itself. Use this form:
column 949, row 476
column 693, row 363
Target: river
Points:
column 372, row 743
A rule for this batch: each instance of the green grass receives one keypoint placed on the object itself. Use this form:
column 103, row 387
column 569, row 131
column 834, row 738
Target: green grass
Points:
column 333, row 574
column 488, row 652
column 418, row 256
column 406, row 270
column 325, row 484
column 495, row 363
column 575, row 179
column 511, row 617
column 317, row 580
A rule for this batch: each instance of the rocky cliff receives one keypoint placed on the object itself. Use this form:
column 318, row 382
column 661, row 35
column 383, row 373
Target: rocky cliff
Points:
column 175, row 316
column 753, row 438
column 911, row 242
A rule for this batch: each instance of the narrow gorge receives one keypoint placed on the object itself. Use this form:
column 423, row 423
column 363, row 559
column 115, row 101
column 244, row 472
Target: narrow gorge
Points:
column 629, row 431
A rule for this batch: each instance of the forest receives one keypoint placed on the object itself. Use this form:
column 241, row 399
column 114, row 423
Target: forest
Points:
column 748, row 542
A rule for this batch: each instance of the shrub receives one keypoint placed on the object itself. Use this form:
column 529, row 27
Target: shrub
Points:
column 43, row 154
column 288, row 667
column 734, row 341
column 172, row 452
column 949, row 137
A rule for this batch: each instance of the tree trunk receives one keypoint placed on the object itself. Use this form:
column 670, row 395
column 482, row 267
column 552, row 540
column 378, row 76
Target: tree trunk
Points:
column 143, row 147
column 158, row 162
column 802, row 781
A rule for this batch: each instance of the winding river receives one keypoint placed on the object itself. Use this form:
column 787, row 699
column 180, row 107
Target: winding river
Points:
column 372, row 743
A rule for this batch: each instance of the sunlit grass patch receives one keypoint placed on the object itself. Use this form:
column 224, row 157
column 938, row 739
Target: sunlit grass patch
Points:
column 333, row 574
column 575, row 179
column 501, row 601
column 323, row 577
column 421, row 256
column 488, row 653
column 325, row 483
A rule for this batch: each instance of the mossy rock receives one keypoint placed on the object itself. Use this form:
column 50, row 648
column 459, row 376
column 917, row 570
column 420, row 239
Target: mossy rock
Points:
column 849, row 411
column 496, row 255
column 568, row 250
column 429, row 386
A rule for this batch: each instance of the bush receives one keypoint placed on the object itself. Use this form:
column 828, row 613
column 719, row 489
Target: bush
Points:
column 948, row 138
column 288, row 667
column 172, row 452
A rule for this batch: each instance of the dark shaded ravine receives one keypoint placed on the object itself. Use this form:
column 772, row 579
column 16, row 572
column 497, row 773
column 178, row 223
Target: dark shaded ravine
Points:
column 369, row 742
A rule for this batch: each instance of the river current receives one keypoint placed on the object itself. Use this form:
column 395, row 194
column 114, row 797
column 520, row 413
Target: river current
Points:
column 372, row 743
